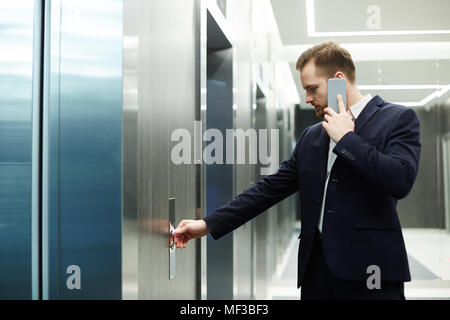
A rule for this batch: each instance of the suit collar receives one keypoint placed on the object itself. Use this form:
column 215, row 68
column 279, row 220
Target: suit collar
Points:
column 367, row 113
column 358, row 107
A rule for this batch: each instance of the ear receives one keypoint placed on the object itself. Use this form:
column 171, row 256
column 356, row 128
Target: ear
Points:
column 339, row 75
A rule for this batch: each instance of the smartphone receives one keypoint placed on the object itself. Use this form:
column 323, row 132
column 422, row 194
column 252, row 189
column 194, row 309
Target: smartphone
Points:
column 336, row 86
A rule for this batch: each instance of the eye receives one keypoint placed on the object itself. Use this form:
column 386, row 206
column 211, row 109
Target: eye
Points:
column 312, row 89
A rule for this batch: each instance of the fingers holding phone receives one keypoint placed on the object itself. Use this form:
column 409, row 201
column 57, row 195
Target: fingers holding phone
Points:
column 337, row 121
column 336, row 86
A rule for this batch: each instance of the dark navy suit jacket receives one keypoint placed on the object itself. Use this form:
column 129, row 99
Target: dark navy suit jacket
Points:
column 375, row 165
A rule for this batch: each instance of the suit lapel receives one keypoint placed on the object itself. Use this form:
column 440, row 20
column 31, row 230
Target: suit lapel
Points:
column 324, row 140
column 370, row 109
column 324, row 147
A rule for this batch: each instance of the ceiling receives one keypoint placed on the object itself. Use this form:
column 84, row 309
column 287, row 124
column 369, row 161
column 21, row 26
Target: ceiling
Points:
column 401, row 48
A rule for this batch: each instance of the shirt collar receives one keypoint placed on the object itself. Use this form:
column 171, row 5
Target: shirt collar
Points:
column 358, row 107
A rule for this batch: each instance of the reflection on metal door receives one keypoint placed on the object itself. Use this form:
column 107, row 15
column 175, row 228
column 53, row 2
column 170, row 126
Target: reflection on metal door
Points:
column 18, row 227
column 82, row 155
column 72, row 189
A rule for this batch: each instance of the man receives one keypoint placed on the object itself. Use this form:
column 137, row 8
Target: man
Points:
column 350, row 171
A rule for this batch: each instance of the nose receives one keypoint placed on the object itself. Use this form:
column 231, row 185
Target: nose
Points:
column 308, row 99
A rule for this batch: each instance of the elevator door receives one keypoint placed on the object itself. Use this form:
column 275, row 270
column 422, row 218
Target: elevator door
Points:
column 219, row 175
column 61, row 149
column 261, row 223
column 16, row 127
column 82, row 150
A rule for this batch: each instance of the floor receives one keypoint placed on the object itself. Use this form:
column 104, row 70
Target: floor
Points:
column 429, row 261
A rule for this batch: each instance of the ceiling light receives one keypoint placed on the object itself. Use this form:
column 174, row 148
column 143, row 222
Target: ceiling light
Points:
column 311, row 28
column 427, row 99
column 400, row 87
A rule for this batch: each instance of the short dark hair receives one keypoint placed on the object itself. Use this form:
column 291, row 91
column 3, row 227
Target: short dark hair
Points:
column 329, row 58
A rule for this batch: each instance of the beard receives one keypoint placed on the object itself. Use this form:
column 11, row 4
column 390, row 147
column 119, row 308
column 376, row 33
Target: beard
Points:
column 320, row 112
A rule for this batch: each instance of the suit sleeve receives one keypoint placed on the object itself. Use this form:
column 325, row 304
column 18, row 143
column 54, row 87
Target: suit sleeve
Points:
column 261, row 196
column 395, row 169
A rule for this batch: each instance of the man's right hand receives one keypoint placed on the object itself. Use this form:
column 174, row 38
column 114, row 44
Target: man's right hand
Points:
column 189, row 229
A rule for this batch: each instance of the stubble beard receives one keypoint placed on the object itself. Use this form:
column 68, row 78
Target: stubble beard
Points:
column 320, row 113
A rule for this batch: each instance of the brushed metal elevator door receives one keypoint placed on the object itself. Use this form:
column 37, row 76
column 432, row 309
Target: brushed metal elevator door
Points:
column 219, row 174
column 16, row 129
column 82, row 183
column 164, row 67
column 261, row 223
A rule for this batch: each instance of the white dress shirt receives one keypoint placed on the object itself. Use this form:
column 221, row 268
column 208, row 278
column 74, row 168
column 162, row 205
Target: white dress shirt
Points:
column 355, row 110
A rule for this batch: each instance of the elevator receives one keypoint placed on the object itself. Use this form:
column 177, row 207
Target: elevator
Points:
column 61, row 157
column 219, row 175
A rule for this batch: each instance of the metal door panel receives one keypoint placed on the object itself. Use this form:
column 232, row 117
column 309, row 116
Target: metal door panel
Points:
column 16, row 128
column 84, row 153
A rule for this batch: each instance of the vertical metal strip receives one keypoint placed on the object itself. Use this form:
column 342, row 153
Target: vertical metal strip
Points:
column 445, row 142
column 59, row 8
column 130, row 229
column 172, row 254
column 202, row 167
column 52, row 19
column 45, row 151
column 36, row 149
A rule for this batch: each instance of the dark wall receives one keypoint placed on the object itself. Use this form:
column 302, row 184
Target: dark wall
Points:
column 304, row 119
column 423, row 207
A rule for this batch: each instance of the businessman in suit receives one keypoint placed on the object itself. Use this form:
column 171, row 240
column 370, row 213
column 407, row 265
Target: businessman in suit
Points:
column 350, row 170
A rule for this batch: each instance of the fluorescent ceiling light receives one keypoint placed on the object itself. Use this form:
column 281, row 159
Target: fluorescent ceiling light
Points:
column 379, row 51
column 310, row 18
column 400, row 87
column 375, row 33
column 427, row 99
column 311, row 28
column 442, row 89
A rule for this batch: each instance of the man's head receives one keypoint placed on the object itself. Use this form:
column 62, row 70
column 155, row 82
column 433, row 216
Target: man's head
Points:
column 317, row 65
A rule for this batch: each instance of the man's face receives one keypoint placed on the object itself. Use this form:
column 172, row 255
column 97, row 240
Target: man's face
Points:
column 316, row 88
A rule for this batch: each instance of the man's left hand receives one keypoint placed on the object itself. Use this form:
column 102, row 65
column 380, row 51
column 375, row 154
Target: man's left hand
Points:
column 339, row 124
